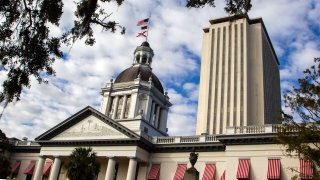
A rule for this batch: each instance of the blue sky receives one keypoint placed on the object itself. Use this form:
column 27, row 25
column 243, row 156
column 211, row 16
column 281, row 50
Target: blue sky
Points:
column 176, row 38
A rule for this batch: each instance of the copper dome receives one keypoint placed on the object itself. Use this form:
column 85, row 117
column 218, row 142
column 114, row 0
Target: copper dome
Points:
column 133, row 72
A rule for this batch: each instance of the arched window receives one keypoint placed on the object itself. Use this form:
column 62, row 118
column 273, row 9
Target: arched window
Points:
column 144, row 59
column 138, row 58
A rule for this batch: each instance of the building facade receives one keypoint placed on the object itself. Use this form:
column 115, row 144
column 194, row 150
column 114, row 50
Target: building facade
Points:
column 240, row 83
column 129, row 131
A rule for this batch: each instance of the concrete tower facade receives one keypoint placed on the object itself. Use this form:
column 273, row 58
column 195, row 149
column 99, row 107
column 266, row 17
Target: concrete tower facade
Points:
column 239, row 80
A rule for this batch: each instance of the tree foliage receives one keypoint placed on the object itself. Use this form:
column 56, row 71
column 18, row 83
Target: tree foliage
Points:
column 233, row 7
column 83, row 165
column 4, row 142
column 301, row 133
column 27, row 50
column 5, row 168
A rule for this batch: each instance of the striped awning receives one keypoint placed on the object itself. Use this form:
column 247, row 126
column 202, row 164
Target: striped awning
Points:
column 30, row 168
column 306, row 169
column 209, row 172
column 181, row 170
column 223, row 177
column 15, row 168
column 46, row 169
column 273, row 169
column 243, row 169
column 154, row 172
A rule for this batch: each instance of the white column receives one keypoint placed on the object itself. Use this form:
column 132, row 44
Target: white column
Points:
column 124, row 103
column 132, row 169
column 54, row 173
column 39, row 169
column 107, row 105
column 110, row 169
column 115, row 107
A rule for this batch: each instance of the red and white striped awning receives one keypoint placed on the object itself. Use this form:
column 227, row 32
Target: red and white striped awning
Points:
column 306, row 169
column 46, row 169
column 154, row 172
column 15, row 167
column 209, row 172
column 30, row 168
column 243, row 169
column 273, row 169
column 181, row 170
column 223, row 177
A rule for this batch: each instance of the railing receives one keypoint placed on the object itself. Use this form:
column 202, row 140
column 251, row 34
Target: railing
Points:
column 249, row 130
column 276, row 128
column 189, row 139
column 268, row 128
column 211, row 138
column 184, row 139
column 26, row 143
column 164, row 140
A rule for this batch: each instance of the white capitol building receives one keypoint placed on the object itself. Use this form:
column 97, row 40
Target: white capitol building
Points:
column 239, row 104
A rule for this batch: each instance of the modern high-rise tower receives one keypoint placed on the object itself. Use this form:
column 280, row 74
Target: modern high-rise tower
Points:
column 239, row 80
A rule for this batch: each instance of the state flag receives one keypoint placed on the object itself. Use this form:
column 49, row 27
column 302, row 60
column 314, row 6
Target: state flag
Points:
column 144, row 34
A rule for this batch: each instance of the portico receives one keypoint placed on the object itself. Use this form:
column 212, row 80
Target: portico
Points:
column 119, row 167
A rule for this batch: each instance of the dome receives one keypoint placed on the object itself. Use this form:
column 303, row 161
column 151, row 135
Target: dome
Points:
column 145, row 72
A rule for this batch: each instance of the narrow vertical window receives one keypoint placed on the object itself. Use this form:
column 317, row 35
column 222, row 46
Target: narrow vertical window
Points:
column 154, row 115
column 235, row 75
column 126, row 111
column 241, row 77
column 222, row 78
column 210, row 82
column 216, row 83
column 159, row 118
column 229, row 77
column 120, row 104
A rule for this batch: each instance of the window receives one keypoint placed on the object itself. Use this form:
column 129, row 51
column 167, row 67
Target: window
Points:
column 142, row 103
column 127, row 107
column 144, row 59
column 154, row 115
column 138, row 58
column 160, row 117
column 119, row 108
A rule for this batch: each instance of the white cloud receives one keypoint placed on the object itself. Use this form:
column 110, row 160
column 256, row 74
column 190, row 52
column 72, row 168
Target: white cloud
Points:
column 300, row 59
column 175, row 32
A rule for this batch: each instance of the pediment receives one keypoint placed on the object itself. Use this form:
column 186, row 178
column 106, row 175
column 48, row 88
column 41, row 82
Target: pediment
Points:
column 87, row 124
column 90, row 128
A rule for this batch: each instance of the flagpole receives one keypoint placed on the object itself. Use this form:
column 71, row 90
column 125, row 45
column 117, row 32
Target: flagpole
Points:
column 148, row 28
column 143, row 24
